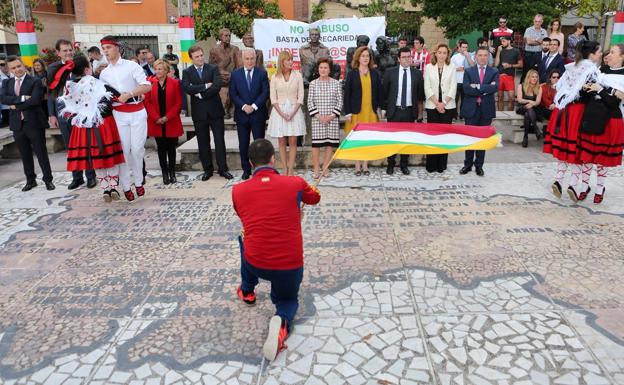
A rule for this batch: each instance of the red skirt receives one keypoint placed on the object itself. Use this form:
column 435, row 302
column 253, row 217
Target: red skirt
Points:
column 104, row 154
column 606, row 149
column 563, row 144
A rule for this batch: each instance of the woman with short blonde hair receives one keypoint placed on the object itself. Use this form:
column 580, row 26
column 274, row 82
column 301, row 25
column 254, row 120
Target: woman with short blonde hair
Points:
column 286, row 121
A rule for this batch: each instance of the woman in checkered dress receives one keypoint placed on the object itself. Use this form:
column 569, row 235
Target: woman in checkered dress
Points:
column 325, row 105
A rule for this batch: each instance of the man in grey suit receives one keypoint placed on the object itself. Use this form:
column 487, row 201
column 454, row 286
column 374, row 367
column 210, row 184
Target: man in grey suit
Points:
column 402, row 89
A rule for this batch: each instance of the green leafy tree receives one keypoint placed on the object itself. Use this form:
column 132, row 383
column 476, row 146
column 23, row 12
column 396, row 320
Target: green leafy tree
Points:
column 398, row 22
column 7, row 18
column 318, row 11
column 465, row 16
column 590, row 7
column 237, row 15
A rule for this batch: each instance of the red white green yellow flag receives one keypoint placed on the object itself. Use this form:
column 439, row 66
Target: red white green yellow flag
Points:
column 371, row 141
column 186, row 25
column 618, row 28
column 27, row 39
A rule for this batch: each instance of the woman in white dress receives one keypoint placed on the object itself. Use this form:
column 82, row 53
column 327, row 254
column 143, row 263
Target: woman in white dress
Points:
column 286, row 121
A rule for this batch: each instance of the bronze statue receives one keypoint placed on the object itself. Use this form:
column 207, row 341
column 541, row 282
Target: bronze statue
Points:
column 248, row 41
column 228, row 58
column 383, row 58
column 310, row 53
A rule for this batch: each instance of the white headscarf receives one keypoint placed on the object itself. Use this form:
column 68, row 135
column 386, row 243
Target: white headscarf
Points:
column 83, row 98
column 572, row 81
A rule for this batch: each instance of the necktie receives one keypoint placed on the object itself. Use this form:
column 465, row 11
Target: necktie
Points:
column 199, row 71
column 481, row 76
column 548, row 60
column 18, row 85
column 404, row 89
column 249, row 79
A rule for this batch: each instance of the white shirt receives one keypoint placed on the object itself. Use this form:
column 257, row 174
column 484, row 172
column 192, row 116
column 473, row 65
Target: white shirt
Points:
column 124, row 76
column 409, row 86
column 459, row 60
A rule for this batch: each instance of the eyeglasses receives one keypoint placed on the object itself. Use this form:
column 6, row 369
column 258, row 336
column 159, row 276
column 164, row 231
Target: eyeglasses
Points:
column 554, row 77
column 2, row 64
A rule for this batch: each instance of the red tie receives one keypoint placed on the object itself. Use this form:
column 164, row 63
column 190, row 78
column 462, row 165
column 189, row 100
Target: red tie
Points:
column 481, row 76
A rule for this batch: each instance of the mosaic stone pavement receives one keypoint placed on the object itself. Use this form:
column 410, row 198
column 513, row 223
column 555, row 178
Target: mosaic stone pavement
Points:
column 420, row 279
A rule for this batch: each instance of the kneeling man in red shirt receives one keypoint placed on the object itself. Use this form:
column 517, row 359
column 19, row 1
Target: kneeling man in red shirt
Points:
column 269, row 207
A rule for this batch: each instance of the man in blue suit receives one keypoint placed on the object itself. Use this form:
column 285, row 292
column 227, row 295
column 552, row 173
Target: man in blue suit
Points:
column 552, row 61
column 478, row 106
column 249, row 91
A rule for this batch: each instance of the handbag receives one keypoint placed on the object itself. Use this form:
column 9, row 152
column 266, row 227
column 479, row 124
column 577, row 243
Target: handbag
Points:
column 595, row 117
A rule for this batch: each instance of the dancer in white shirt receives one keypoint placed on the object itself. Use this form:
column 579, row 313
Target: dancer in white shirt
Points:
column 128, row 78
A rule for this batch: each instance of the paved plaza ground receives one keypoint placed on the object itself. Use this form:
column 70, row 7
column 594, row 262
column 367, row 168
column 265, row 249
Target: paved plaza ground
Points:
column 420, row 279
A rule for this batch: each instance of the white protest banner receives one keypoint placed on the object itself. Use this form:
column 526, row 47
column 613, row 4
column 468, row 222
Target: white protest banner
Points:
column 272, row 36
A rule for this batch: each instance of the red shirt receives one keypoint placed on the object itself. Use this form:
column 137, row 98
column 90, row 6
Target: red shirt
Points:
column 269, row 207
column 548, row 95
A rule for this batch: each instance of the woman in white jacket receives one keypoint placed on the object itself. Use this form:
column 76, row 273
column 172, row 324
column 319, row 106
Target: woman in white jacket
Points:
column 440, row 91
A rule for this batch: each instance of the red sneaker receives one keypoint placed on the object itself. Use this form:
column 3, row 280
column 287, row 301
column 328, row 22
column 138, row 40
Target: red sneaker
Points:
column 278, row 332
column 249, row 299
column 129, row 195
column 599, row 197
column 582, row 196
column 140, row 191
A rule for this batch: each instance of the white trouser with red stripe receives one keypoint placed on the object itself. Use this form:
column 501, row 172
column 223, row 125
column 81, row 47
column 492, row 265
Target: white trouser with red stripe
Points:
column 132, row 128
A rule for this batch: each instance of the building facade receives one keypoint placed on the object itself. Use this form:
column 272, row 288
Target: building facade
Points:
column 137, row 22
column 57, row 21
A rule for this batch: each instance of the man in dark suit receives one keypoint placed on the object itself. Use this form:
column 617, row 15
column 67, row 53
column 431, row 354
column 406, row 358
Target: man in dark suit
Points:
column 402, row 89
column 203, row 82
column 149, row 66
column 249, row 91
column 23, row 94
column 65, row 51
column 552, row 61
column 479, row 106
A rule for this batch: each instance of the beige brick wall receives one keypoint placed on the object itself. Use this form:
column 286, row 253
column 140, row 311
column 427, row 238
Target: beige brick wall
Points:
column 90, row 34
column 56, row 26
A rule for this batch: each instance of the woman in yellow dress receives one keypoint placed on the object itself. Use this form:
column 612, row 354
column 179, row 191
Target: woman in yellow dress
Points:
column 362, row 96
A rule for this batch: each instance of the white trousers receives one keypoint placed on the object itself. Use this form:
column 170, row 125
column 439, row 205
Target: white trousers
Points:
column 132, row 128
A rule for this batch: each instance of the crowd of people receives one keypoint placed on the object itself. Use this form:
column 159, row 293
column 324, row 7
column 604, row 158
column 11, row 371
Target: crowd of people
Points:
column 146, row 96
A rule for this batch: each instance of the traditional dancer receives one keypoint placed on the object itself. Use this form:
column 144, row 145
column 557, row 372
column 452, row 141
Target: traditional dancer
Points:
column 561, row 136
column 94, row 142
column 603, row 143
column 128, row 78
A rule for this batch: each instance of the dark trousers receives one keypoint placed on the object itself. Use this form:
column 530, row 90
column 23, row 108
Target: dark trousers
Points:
column 476, row 158
column 406, row 115
column 244, row 130
column 438, row 162
column 166, row 153
column 65, row 127
column 531, row 60
column 27, row 142
column 284, row 286
column 4, row 118
column 202, row 130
